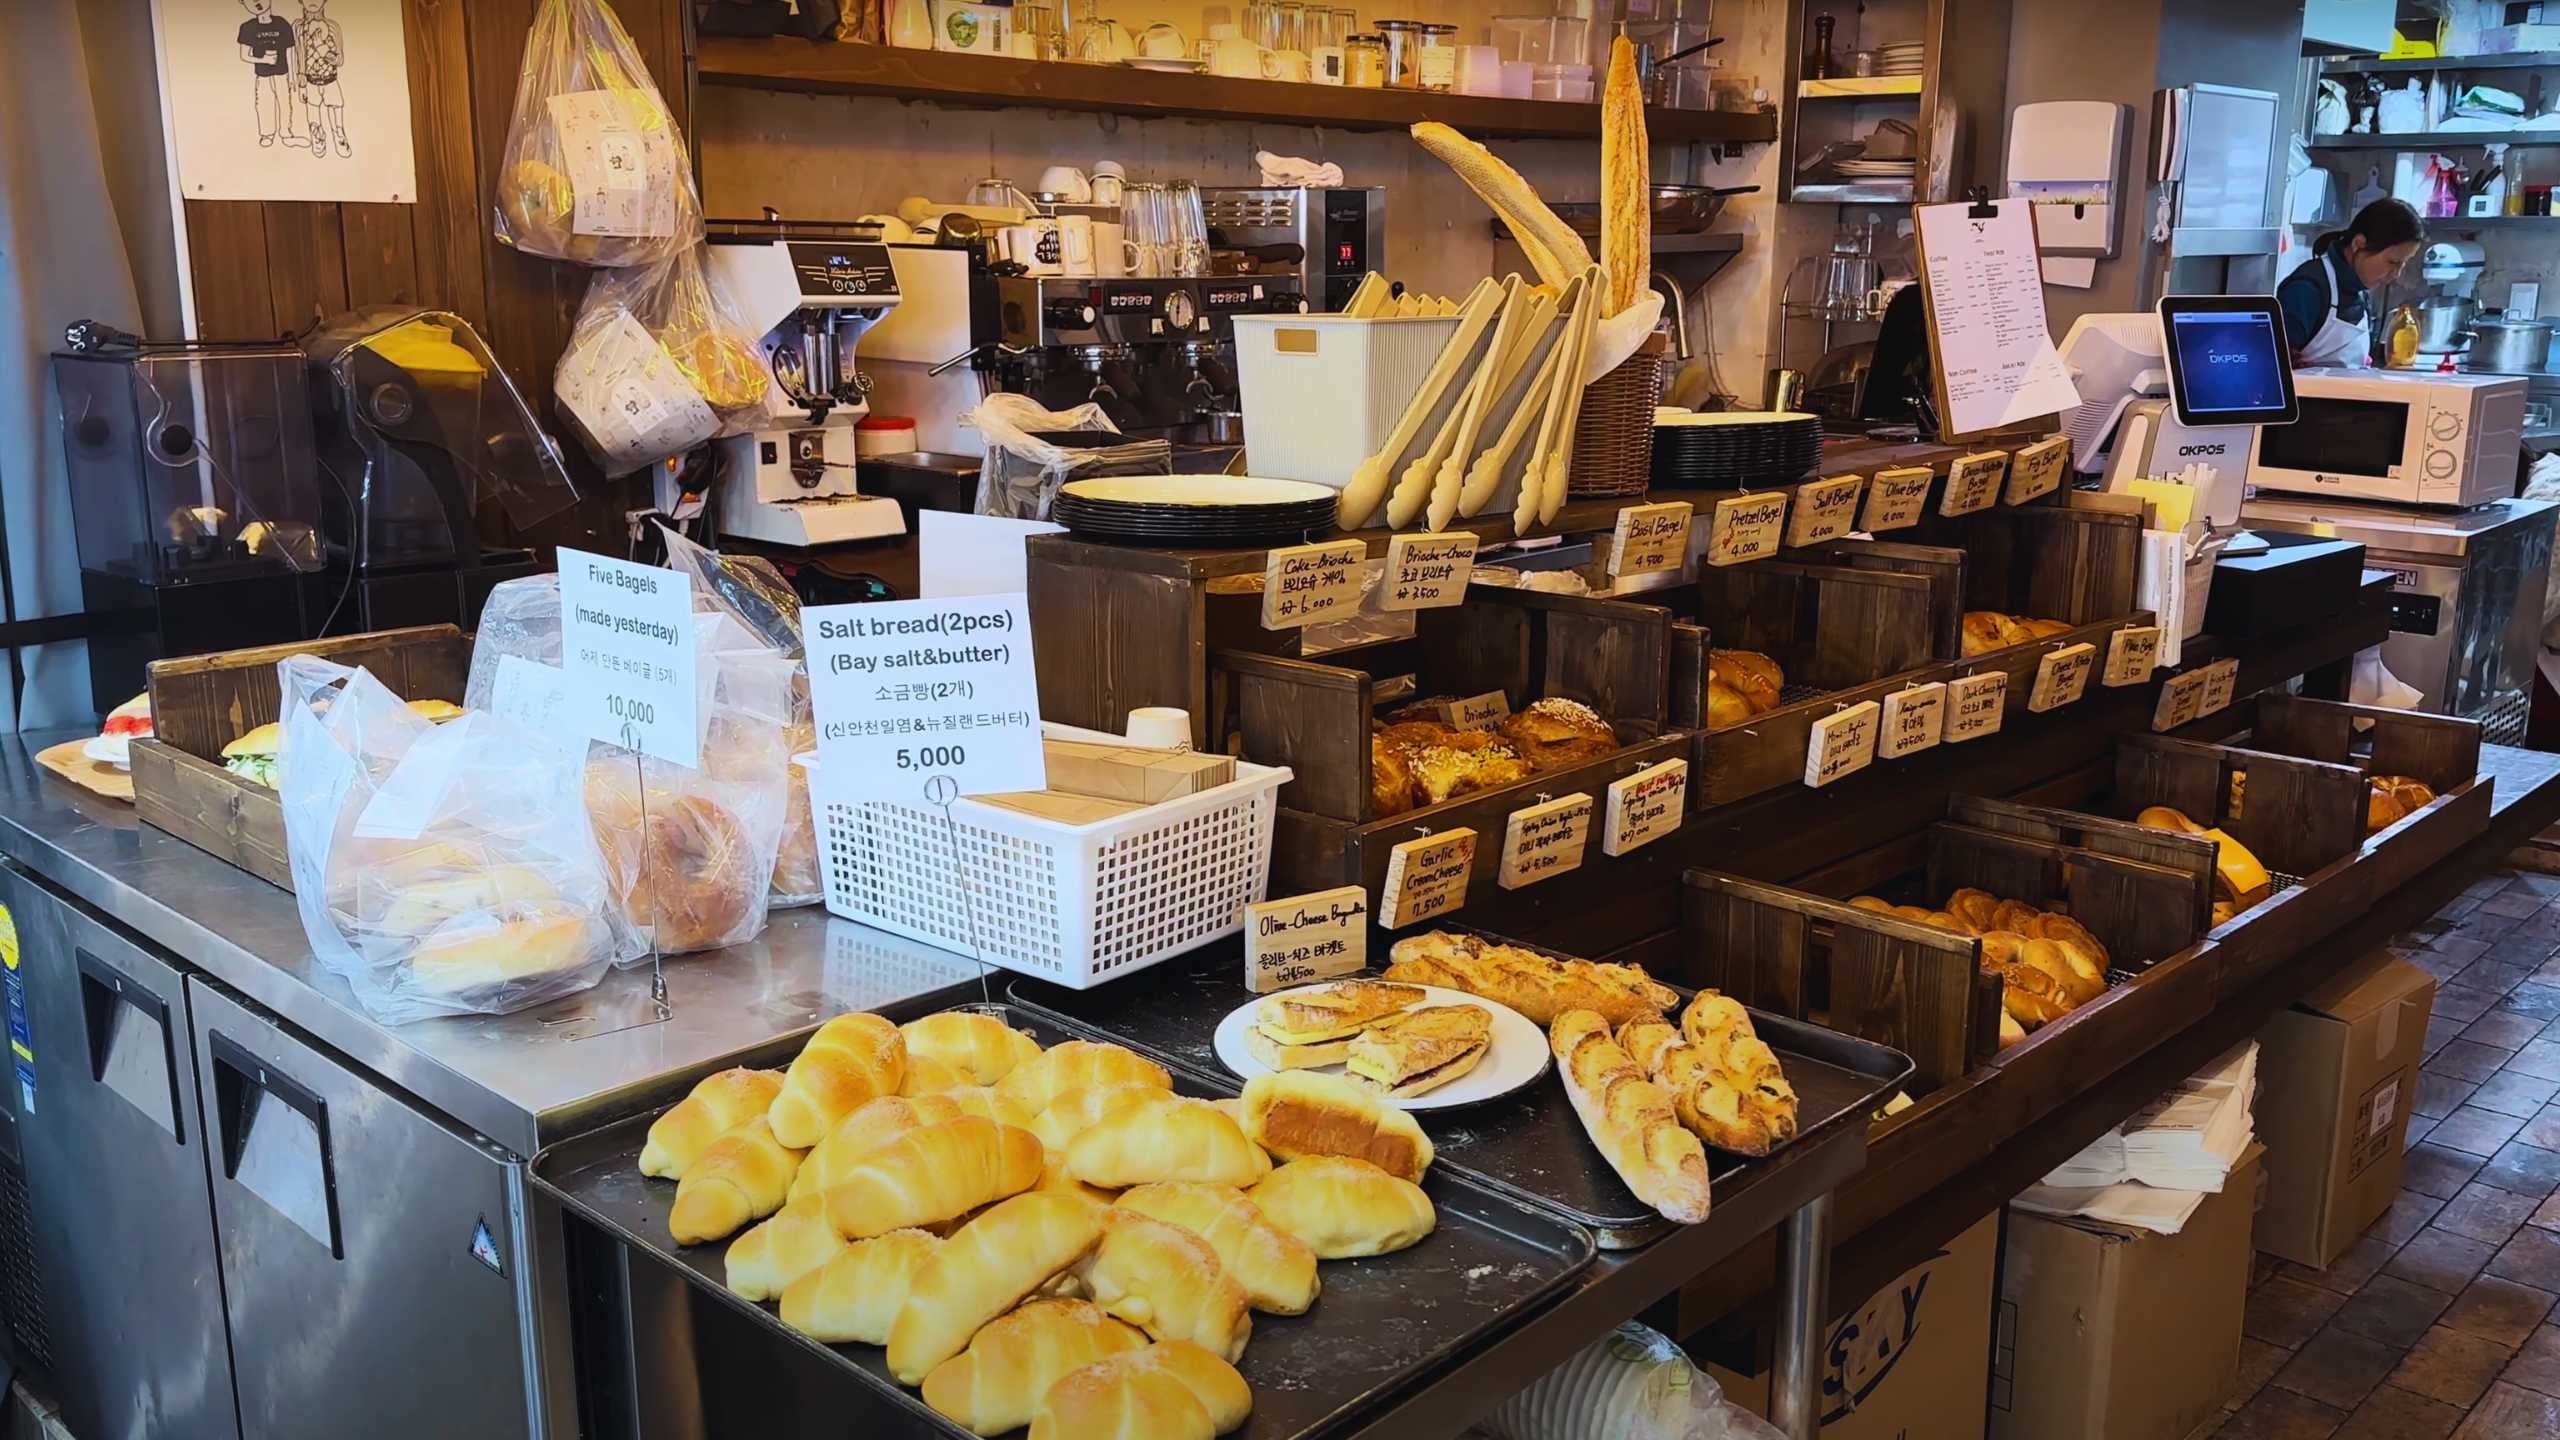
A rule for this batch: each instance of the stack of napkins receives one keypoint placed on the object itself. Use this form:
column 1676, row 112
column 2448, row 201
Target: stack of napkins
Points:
column 2154, row 1170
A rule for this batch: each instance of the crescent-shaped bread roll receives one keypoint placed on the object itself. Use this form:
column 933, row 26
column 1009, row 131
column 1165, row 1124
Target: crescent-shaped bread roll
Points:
column 932, row 1174
column 983, row 1100
column 745, row 1175
column 1172, row 1391
column 1170, row 1139
column 997, row 1384
column 1074, row 1065
column 1168, row 1282
column 790, row 1243
column 928, row 1076
column 872, row 1124
column 1077, row 1111
column 856, row 1296
column 1344, row 1209
column 1276, row 1268
column 851, row 1059
column 982, row 1046
column 720, row 1104
column 1056, row 1177
column 987, row 1267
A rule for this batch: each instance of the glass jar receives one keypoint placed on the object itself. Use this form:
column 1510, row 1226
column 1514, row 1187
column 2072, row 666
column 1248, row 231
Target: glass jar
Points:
column 1435, row 60
column 1404, row 45
column 1364, row 62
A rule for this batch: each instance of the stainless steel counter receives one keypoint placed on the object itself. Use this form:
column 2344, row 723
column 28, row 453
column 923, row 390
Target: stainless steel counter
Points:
column 520, row 1080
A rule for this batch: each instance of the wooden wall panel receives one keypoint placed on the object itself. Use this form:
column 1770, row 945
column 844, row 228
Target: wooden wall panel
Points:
column 227, row 245
column 306, row 263
column 381, row 254
column 449, row 223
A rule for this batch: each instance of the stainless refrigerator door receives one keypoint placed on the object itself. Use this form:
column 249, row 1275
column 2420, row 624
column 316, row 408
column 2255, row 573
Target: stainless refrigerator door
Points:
column 122, row 1222
column 371, row 1256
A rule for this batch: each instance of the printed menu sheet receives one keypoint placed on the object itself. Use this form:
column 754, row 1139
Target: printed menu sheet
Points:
column 1996, row 360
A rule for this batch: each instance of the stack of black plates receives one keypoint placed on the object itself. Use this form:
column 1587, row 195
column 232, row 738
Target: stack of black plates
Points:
column 1736, row 450
column 1198, row 510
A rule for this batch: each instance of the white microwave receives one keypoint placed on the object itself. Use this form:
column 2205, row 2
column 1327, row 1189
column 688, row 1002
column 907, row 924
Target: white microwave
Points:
column 2397, row 436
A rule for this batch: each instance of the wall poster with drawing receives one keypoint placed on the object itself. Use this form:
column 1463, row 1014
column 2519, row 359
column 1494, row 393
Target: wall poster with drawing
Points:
column 288, row 99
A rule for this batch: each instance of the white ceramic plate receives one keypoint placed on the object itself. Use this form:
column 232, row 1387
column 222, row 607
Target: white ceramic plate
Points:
column 1517, row 1056
column 116, row 750
column 1710, row 418
column 1196, row 490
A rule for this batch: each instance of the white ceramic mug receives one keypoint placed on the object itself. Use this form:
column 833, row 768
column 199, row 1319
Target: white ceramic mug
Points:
column 1242, row 59
column 1033, row 245
column 1161, row 41
column 1291, row 65
column 1160, row 727
column 1075, row 244
column 1106, row 188
column 1067, row 183
column 1113, row 255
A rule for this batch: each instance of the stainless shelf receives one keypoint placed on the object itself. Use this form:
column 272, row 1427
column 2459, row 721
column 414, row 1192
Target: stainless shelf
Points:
column 2436, row 140
column 2516, row 60
column 1838, row 192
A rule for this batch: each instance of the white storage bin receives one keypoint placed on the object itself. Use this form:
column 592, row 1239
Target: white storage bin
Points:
column 1072, row 904
column 1322, row 392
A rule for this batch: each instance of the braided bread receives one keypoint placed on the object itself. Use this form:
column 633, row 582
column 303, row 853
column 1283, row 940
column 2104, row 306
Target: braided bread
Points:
column 1632, row 1119
column 1726, row 1085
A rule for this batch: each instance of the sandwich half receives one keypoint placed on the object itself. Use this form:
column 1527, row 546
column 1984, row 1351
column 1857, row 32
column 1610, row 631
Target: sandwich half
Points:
column 1421, row 1050
column 1302, row 1029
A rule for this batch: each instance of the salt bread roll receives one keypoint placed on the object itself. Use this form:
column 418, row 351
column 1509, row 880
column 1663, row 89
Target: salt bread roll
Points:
column 1343, row 1208
column 1169, row 1139
column 851, row 1059
column 980, row 1046
column 718, row 1105
column 1168, row 1282
column 998, row 1382
column 1276, row 1268
column 792, row 1242
column 1074, row 1065
column 1171, row 1391
column 871, row 1125
column 744, row 1176
column 987, row 1267
column 932, row 1174
column 857, row 1295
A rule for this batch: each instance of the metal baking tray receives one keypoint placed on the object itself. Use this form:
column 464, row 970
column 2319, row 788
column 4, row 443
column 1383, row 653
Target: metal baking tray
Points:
column 1378, row 1324
column 1528, row 1144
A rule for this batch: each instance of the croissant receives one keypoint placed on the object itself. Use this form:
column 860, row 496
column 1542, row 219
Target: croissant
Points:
column 982, row 1047
column 997, row 1383
column 1276, row 1268
column 1074, row 1065
column 932, row 1174
column 792, row 1242
column 1170, row 1139
column 744, row 1176
column 986, row 1268
column 1172, row 1391
column 871, row 1125
column 857, row 1295
column 851, row 1059
column 720, row 1104
column 1168, row 1282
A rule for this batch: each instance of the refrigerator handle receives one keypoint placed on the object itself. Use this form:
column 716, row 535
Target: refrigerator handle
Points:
column 104, row 992
column 239, row 1076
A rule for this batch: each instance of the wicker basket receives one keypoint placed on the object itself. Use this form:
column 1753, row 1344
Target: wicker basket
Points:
column 1613, row 439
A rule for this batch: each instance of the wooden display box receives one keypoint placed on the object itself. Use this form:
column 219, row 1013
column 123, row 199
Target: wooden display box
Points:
column 202, row 703
column 1315, row 717
column 2079, row 563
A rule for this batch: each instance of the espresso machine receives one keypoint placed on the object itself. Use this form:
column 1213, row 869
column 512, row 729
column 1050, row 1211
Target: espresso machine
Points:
column 809, row 289
column 1158, row 355
column 1327, row 239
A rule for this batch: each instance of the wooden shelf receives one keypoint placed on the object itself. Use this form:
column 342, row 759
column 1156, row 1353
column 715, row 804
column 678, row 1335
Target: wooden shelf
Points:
column 1002, row 82
column 2435, row 140
column 1859, row 87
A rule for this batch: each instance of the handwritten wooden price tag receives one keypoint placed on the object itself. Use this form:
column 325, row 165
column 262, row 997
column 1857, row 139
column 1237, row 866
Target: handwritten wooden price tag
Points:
column 2132, row 653
column 1315, row 936
column 1425, row 572
column 1645, row 806
column 2062, row 677
column 1746, row 527
column 1896, row 500
column 2181, row 700
column 1843, row 743
column 1475, row 712
column 2221, row 678
column 1650, row 539
column 1427, row 877
column 1976, row 704
column 1973, row 483
column 1915, row 719
column 1824, row 510
column 1304, row 584
column 2037, row 470
column 1544, row 841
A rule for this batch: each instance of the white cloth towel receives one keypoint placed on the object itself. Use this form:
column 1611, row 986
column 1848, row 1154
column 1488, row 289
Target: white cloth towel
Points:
column 1294, row 170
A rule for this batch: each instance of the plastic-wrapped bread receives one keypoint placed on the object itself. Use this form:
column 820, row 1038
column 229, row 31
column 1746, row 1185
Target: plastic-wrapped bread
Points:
column 933, row 1174
column 1630, row 1118
column 997, row 1384
column 871, row 1125
column 1166, row 1281
column 987, row 1267
column 851, row 1059
column 983, row 1047
column 1344, row 1209
column 1171, row 1391
column 744, row 1176
column 786, row 1245
column 1276, row 1268
column 856, row 1296
column 1034, row 1084
column 1170, row 1139
column 720, row 1104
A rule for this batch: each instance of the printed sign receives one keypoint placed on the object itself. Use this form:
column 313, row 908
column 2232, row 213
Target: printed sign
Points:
column 1896, row 499
column 1544, row 841
column 1746, row 527
column 1843, row 743
column 1304, row 584
column 1650, row 539
column 1976, row 705
column 1427, row 877
column 2132, row 653
column 1914, row 719
column 923, row 701
column 1425, row 572
column 1824, row 510
column 1315, row 936
column 2037, row 470
column 1973, row 483
column 2062, row 677
column 627, row 650
column 1645, row 806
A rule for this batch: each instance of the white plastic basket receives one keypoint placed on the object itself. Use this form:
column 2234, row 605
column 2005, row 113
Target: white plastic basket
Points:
column 1321, row 392
column 1073, row 904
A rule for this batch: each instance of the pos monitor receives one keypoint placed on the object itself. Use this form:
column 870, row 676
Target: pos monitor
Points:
column 2228, row 361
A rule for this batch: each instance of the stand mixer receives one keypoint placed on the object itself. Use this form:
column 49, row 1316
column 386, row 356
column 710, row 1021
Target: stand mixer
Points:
column 810, row 288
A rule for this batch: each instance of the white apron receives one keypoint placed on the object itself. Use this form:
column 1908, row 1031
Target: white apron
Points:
column 2336, row 342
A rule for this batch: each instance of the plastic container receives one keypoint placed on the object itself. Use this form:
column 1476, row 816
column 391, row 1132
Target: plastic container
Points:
column 1322, row 392
column 883, row 435
column 1543, row 39
column 1072, row 904
column 1569, row 83
column 1435, row 63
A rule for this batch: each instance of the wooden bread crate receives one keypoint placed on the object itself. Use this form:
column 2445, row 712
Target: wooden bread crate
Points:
column 201, row 703
column 2079, row 563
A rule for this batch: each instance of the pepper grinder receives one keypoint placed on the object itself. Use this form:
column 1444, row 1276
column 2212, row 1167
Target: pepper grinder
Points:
column 1818, row 64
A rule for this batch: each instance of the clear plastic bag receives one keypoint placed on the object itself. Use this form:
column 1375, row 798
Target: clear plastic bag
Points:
column 1022, row 472
column 656, row 363
column 441, row 870
column 1632, row 1384
column 595, row 169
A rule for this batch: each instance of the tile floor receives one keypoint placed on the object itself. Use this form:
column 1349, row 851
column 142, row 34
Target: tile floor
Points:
column 2440, row 1322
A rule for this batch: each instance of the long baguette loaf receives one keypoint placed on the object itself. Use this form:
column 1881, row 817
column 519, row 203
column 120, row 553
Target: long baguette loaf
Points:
column 788, row 1244
column 1168, row 1282
column 1172, row 1391
column 998, row 1382
column 720, row 1104
column 985, row 1269
column 872, row 1124
column 1538, row 986
column 851, row 1059
column 745, row 1175
column 1626, row 183
column 1630, row 1118
column 986, row 1048
column 856, row 1296
column 1033, row 1085
column 1501, row 187
column 1169, row 1139
column 932, row 1174
column 1276, row 1268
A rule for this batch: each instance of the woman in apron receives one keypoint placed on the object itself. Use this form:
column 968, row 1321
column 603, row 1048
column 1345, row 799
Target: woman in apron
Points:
column 2328, row 318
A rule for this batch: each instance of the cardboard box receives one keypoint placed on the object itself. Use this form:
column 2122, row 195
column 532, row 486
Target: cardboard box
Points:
column 1139, row 776
column 1912, row 1363
column 2336, row 1074
column 1063, row 808
column 2105, row 1333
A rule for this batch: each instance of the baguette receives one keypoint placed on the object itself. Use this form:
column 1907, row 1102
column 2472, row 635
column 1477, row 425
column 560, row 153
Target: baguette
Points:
column 1172, row 1391
column 1294, row 1114
column 997, row 1384
column 851, row 1059
column 1168, row 1282
column 1626, row 184
column 985, row 1269
column 1276, row 1268
column 872, row 1124
column 856, row 1296
column 1540, row 987
column 1077, row 1111
column 720, row 1104
column 1344, row 1209
column 933, row 1174
column 792, row 1242
column 745, row 1175
column 1630, row 1119
column 982, row 1046
column 1034, row 1084
column 1169, row 1139
column 1501, row 187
